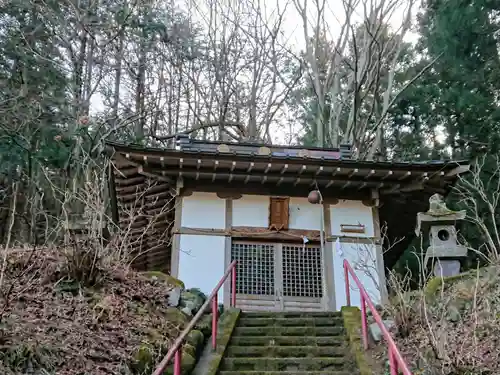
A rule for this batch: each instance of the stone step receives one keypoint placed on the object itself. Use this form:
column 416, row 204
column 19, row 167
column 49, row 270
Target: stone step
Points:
column 285, row 351
column 285, row 364
column 287, row 340
column 289, row 331
column 291, row 314
column 290, row 322
column 340, row 372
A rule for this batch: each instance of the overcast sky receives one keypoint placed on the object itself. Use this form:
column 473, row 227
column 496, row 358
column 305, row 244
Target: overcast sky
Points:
column 292, row 25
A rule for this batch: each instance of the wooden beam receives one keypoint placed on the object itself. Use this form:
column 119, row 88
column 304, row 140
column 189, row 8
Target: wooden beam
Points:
column 277, row 175
column 112, row 194
column 372, row 172
column 233, row 165
column 413, row 187
column 257, row 188
column 458, row 170
column 392, row 190
column 387, row 175
column 216, row 164
column 151, row 174
column 363, row 185
column 398, row 188
column 346, row 184
column 125, row 182
column 353, row 172
column 405, row 176
column 294, row 235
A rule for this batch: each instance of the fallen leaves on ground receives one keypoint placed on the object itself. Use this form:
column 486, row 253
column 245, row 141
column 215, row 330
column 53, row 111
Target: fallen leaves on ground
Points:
column 51, row 322
column 457, row 331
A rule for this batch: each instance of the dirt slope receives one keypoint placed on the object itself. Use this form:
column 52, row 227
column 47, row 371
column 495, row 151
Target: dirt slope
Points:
column 451, row 327
column 52, row 325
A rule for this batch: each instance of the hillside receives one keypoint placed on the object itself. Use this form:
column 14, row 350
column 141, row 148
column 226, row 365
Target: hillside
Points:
column 452, row 327
column 51, row 324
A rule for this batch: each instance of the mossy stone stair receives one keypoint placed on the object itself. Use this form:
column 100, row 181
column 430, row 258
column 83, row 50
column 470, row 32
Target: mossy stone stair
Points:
column 288, row 343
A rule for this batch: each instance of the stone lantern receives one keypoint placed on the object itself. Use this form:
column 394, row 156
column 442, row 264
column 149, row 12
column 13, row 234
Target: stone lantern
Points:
column 444, row 250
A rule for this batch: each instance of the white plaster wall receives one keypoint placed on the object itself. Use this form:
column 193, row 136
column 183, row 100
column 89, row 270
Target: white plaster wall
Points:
column 351, row 212
column 363, row 259
column 201, row 262
column 251, row 211
column 304, row 215
column 203, row 210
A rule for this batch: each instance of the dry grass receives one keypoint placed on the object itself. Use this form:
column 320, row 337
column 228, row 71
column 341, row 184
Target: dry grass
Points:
column 51, row 323
column 452, row 329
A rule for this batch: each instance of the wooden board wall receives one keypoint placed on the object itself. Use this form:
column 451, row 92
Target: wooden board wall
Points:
column 145, row 213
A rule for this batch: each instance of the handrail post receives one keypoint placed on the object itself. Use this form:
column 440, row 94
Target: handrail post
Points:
column 215, row 312
column 175, row 351
column 178, row 361
column 233, row 286
column 364, row 322
column 347, row 289
column 396, row 360
column 393, row 363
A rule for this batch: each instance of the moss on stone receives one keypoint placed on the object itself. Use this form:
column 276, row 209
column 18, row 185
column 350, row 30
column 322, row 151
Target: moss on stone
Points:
column 143, row 360
column 291, row 331
column 352, row 323
column 190, row 349
column 205, row 324
column 154, row 335
column 278, row 351
column 187, row 364
column 227, row 323
column 328, row 364
column 170, row 280
column 195, row 338
column 434, row 285
column 176, row 316
column 29, row 357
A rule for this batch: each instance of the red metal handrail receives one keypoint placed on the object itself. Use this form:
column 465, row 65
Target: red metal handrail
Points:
column 176, row 350
column 396, row 361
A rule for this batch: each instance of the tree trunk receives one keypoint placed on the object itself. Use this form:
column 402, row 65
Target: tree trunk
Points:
column 140, row 91
column 118, row 76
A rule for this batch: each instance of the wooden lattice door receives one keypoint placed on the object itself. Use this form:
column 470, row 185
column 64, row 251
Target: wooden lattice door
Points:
column 278, row 277
column 256, row 270
column 301, row 278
